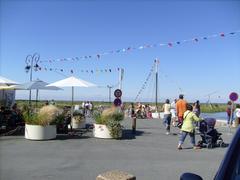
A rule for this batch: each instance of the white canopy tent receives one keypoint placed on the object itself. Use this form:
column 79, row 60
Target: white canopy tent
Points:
column 72, row 82
column 6, row 99
column 35, row 85
column 6, row 82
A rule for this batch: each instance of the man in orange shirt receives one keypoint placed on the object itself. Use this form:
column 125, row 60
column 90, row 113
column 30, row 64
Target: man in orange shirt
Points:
column 181, row 107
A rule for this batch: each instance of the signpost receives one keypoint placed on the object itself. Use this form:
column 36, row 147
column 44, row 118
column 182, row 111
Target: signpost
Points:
column 117, row 94
column 233, row 96
column 117, row 102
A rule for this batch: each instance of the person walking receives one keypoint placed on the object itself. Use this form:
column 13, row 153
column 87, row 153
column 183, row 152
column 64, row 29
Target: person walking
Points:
column 197, row 108
column 229, row 113
column 188, row 127
column 167, row 116
column 237, row 114
column 181, row 107
column 134, row 118
column 197, row 111
column 173, row 112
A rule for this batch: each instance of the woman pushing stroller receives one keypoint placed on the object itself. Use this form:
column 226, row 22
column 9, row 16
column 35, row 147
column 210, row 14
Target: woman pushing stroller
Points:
column 188, row 127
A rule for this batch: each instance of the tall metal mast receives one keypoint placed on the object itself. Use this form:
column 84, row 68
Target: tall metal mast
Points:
column 156, row 72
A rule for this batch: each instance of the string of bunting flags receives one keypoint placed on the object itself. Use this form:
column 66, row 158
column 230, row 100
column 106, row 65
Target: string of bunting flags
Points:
column 72, row 71
column 146, row 46
column 145, row 83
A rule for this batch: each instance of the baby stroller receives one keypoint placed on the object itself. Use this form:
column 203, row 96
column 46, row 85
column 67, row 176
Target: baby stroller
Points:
column 210, row 136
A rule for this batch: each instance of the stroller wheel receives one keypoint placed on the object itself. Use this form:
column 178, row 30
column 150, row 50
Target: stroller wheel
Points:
column 209, row 145
column 222, row 144
column 200, row 143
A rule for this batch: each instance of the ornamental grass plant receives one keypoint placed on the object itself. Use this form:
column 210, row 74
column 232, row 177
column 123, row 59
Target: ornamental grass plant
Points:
column 78, row 116
column 47, row 115
column 111, row 118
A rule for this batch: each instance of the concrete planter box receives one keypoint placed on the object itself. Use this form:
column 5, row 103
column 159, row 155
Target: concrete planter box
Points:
column 76, row 124
column 37, row 132
column 101, row 131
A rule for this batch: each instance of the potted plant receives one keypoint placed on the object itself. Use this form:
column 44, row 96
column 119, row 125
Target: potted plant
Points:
column 42, row 125
column 108, row 123
column 78, row 120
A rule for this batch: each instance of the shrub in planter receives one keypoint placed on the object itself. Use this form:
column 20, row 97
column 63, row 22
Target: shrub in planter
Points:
column 47, row 115
column 111, row 118
column 78, row 116
column 42, row 125
column 78, row 120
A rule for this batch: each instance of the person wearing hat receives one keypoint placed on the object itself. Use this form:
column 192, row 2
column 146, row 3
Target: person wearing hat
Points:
column 181, row 107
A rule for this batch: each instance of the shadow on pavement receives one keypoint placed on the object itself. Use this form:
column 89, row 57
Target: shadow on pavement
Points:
column 71, row 136
column 128, row 134
column 225, row 145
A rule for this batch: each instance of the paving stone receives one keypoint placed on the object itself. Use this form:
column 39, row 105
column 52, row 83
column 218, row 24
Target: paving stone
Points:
column 115, row 175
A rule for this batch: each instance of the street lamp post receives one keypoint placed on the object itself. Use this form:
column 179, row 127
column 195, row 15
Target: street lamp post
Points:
column 109, row 91
column 32, row 62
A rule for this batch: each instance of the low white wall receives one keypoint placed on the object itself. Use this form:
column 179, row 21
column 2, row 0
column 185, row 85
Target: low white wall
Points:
column 158, row 115
column 37, row 132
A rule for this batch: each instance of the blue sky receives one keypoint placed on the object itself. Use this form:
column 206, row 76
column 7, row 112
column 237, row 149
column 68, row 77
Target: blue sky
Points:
column 65, row 29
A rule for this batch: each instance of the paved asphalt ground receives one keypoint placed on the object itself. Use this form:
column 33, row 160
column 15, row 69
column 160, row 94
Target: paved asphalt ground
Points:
column 150, row 155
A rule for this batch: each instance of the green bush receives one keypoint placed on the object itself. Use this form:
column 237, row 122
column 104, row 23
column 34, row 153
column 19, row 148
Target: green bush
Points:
column 48, row 115
column 78, row 115
column 111, row 118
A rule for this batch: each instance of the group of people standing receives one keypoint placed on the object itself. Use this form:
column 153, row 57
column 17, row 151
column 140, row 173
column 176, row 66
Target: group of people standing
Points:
column 175, row 111
column 87, row 108
column 185, row 115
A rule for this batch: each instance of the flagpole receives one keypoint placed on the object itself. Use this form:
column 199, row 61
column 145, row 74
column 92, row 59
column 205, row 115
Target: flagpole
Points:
column 156, row 93
column 119, row 78
column 36, row 97
column 72, row 101
column 72, row 109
